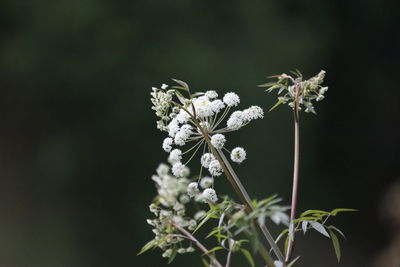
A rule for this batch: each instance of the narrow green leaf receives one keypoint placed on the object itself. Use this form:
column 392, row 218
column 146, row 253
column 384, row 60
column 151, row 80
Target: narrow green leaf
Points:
column 182, row 83
column 314, row 212
column 180, row 97
column 276, row 105
column 336, row 211
column 304, row 226
column 286, row 244
column 148, row 246
column 206, row 264
column 173, row 255
column 248, row 256
column 319, row 227
column 265, row 201
column 214, row 249
column 213, row 233
column 209, row 216
column 293, row 261
column 337, row 230
column 336, row 244
column 196, row 94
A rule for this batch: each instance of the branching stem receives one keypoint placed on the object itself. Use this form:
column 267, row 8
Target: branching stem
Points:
column 198, row 244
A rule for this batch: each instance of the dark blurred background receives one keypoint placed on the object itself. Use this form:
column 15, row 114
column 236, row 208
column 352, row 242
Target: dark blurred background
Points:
column 78, row 142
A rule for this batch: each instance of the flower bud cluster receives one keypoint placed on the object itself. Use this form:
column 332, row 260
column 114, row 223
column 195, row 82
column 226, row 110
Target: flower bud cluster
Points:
column 295, row 91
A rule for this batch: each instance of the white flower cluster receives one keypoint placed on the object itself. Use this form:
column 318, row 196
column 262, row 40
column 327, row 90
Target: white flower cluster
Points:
column 172, row 198
column 161, row 100
column 292, row 90
column 197, row 119
column 208, row 195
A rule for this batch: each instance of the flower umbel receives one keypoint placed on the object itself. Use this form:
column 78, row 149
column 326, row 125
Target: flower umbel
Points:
column 296, row 92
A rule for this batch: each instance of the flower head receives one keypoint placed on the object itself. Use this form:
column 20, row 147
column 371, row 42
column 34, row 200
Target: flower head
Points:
column 238, row 155
column 215, row 168
column 209, row 195
column 206, row 182
column 297, row 92
column 231, row 99
column 218, row 141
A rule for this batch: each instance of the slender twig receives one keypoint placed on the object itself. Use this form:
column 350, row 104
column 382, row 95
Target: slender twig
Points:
column 198, row 244
column 295, row 171
column 228, row 257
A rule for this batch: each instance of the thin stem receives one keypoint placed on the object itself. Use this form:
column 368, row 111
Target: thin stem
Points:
column 198, row 244
column 295, row 177
column 228, row 258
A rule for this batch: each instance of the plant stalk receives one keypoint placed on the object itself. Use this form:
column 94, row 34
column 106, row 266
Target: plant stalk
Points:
column 199, row 245
column 295, row 178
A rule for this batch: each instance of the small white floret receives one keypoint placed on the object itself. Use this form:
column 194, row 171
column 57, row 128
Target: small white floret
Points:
column 218, row 141
column 180, row 170
column 211, row 94
column 215, row 168
column 167, row 144
column 236, row 120
column 231, row 99
column 206, row 182
column 175, row 156
column 164, row 86
column 217, row 105
column 193, row 189
column 238, row 155
column 209, row 195
column 252, row 113
column 206, row 159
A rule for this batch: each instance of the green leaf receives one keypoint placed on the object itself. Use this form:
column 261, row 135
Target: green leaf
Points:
column 214, row 249
column 182, row 83
column 248, row 256
column 281, row 235
column 180, row 97
column 208, row 216
column 293, row 261
column 173, row 254
column 148, row 246
column 337, row 230
column 276, row 105
column 267, row 84
column 196, row 94
column 336, row 244
column 304, row 226
column 213, row 232
column 336, row 211
column 314, row 212
column 206, row 264
column 319, row 227
column 265, row 201
column 286, row 244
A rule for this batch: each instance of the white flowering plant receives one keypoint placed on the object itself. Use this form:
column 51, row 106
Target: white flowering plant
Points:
column 197, row 125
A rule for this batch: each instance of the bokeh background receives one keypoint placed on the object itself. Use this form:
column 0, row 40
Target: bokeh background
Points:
column 78, row 142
